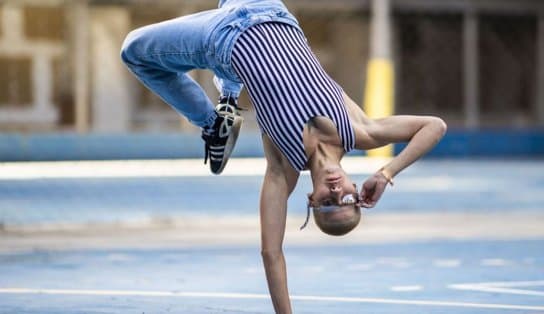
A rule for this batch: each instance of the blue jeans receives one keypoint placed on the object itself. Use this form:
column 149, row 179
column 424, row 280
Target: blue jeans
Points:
column 160, row 55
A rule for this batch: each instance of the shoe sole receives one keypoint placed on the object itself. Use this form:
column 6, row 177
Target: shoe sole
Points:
column 231, row 141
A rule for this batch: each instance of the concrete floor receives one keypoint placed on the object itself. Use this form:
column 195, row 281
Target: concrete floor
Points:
column 451, row 237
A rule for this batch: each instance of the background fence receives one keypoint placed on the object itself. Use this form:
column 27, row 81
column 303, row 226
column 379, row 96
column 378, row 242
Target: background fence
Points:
column 478, row 64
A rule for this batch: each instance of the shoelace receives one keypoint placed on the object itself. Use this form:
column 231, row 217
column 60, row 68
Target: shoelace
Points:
column 225, row 127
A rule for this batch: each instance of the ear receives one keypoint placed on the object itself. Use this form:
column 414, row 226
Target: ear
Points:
column 311, row 202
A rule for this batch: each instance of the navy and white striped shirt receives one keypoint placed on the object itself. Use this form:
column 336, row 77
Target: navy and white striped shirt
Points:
column 288, row 87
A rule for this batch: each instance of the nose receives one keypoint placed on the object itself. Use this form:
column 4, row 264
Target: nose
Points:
column 336, row 191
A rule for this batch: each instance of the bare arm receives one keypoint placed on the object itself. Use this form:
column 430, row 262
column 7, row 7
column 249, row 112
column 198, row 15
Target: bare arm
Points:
column 279, row 181
column 421, row 132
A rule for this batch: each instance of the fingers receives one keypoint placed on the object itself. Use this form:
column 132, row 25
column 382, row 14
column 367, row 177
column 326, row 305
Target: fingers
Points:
column 369, row 201
column 367, row 192
column 372, row 191
column 378, row 191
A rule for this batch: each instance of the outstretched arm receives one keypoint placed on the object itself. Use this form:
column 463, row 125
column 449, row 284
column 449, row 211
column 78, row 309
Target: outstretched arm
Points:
column 421, row 132
column 279, row 182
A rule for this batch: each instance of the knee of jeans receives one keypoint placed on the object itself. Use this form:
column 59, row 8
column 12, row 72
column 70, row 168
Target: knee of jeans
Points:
column 132, row 48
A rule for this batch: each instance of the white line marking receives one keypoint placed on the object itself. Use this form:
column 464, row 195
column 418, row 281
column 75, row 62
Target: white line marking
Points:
column 532, row 283
column 156, row 168
column 122, row 169
column 406, row 288
column 494, row 262
column 447, row 263
column 502, row 287
column 266, row 296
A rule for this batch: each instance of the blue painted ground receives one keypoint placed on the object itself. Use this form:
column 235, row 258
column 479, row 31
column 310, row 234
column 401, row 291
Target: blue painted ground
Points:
column 154, row 280
column 454, row 186
column 367, row 271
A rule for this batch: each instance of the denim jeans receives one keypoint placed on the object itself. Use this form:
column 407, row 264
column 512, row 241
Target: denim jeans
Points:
column 160, row 55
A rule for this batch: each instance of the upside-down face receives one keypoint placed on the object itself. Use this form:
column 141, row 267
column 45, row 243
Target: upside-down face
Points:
column 335, row 201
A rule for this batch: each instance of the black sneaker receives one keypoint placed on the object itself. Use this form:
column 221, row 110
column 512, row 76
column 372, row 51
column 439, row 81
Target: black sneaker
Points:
column 221, row 138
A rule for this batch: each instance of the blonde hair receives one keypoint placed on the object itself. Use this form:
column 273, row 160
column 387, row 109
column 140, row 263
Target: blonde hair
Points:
column 339, row 220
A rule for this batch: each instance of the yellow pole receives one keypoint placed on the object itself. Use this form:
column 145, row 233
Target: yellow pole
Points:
column 380, row 77
column 379, row 100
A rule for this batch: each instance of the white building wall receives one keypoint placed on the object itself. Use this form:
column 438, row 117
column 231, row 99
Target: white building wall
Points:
column 41, row 53
column 111, row 99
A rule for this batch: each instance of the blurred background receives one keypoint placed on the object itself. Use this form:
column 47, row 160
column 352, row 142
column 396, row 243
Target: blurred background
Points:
column 479, row 64
column 66, row 96
column 103, row 186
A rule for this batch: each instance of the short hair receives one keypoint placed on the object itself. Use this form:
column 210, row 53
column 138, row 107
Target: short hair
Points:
column 338, row 221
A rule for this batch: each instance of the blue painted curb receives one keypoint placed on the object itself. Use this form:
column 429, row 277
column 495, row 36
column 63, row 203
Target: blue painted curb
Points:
column 69, row 146
column 37, row 147
column 489, row 143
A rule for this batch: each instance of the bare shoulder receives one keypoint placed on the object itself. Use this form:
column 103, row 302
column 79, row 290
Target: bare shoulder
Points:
column 362, row 124
column 356, row 114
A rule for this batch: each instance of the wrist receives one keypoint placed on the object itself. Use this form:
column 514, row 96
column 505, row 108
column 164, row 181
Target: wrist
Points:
column 387, row 175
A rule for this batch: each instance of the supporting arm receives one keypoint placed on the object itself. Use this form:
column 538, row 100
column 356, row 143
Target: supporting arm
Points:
column 278, row 184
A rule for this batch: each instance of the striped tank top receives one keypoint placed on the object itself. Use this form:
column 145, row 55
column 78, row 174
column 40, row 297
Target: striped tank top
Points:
column 288, row 87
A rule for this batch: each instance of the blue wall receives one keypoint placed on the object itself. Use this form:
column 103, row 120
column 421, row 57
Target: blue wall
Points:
column 35, row 147
column 39, row 147
column 489, row 143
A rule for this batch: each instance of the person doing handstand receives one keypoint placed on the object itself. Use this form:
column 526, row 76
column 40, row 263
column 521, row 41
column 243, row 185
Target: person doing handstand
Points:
column 307, row 121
